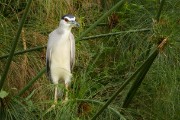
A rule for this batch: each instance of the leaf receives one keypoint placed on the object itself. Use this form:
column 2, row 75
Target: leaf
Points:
column 3, row 94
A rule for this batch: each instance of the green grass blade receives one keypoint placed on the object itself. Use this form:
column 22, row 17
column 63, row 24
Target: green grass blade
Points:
column 139, row 80
column 4, row 75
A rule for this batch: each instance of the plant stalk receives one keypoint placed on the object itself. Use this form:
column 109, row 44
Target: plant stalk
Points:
column 24, row 51
column 159, row 11
column 114, row 33
column 139, row 80
column 84, row 38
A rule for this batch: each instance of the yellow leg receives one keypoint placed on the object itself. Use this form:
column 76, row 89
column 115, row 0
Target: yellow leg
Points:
column 55, row 99
column 55, row 94
column 67, row 90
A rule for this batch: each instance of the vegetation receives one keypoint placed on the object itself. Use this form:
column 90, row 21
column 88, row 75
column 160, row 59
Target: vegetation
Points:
column 127, row 60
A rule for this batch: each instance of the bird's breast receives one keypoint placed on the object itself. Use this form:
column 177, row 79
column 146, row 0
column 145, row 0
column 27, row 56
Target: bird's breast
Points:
column 61, row 53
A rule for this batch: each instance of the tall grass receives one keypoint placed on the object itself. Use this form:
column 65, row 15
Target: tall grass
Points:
column 103, row 62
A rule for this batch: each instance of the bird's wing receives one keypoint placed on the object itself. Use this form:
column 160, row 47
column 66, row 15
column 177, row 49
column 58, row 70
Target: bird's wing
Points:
column 49, row 54
column 72, row 41
column 48, row 63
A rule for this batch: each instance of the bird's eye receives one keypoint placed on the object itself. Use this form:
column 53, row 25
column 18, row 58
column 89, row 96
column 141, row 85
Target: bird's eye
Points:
column 66, row 19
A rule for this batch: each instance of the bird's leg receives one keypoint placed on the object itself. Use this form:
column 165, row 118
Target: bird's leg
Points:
column 67, row 90
column 55, row 98
column 56, row 94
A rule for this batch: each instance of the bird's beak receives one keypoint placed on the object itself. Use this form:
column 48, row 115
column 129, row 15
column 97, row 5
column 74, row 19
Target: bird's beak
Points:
column 75, row 24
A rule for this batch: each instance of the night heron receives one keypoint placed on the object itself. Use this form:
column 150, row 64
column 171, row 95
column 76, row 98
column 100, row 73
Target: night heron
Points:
column 60, row 55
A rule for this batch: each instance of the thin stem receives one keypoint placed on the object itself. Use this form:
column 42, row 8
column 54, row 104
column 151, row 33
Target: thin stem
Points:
column 84, row 38
column 24, row 51
column 160, row 9
column 114, row 33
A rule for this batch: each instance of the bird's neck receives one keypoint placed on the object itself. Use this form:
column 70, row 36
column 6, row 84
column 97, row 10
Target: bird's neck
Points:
column 64, row 29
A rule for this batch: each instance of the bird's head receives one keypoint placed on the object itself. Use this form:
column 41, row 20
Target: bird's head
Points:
column 68, row 21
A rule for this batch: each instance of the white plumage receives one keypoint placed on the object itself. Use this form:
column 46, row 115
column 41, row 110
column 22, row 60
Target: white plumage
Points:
column 60, row 55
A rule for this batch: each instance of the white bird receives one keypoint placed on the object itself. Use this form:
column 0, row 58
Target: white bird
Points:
column 60, row 54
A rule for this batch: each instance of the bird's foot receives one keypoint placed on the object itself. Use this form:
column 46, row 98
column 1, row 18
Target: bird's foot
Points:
column 51, row 108
column 55, row 102
column 65, row 101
